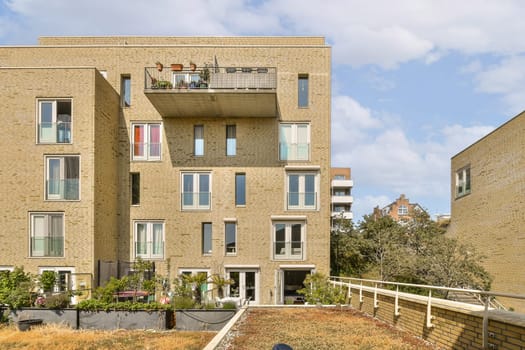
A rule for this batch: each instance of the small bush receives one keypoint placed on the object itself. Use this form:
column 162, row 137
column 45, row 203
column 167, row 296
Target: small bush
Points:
column 229, row 305
column 183, row 302
column 57, row 301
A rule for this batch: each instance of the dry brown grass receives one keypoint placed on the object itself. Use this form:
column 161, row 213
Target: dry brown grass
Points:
column 63, row 338
column 317, row 329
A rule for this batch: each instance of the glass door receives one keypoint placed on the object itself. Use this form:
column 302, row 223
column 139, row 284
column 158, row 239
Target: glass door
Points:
column 245, row 285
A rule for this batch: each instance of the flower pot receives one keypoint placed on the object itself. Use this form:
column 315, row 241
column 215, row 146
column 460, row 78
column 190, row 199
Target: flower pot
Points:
column 193, row 66
column 159, row 66
column 176, row 66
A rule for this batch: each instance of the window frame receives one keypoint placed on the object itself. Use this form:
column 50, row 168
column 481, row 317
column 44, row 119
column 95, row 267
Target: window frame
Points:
column 195, row 184
column 291, row 151
column 63, row 181
column 47, row 234
column 463, row 184
column 230, row 251
column 149, row 242
column 231, row 140
column 303, row 91
column 402, row 210
column 125, row 90
column 198, row 140
column 134, row 188
column 146, row 145
column 56, row 122
column 301, row 190
column 206, row 238
column 240, row 199
column 287, row 248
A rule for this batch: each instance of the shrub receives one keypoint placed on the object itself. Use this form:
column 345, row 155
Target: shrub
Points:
column 183, row 302
column 319, row 290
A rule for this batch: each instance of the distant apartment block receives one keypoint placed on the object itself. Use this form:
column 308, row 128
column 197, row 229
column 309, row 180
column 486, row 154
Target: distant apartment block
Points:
column 401, row 210
column 201, row 154
column 342, row 199
column 487, row 202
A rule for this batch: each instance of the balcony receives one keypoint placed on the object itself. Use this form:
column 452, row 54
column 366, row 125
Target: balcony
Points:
column 288, row 250
column 347, row 215
column 342, row 183
column 342, row 199
column 214, row 91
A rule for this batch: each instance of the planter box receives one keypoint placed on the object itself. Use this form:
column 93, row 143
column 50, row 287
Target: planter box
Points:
column 60, row 316
column 77, row 319
column 202, row 320
column 141, row 319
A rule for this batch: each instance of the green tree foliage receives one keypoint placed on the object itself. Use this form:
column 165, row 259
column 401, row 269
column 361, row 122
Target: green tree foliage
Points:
column 16, row 288
column 319, row 290
column 416, row 251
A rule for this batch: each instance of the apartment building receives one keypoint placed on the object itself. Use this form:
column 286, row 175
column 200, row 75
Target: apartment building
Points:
column 487, row 192
column 401, row 210
column 201, row 154
column 342, row 199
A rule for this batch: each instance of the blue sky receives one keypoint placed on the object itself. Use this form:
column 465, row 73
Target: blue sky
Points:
column 414, row 81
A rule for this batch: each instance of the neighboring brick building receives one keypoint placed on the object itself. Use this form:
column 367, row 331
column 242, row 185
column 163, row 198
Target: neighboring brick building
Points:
column 487, row 203
column 341, row 193
column 219, row 168
column 401, row 210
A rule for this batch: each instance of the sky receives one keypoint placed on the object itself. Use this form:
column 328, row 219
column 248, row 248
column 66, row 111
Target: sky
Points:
column 414, row 82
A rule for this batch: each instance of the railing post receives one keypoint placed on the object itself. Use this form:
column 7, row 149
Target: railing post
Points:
column 486, row 323
column 376, row 304
column 429, row 310
column 361, row 293
column 349, row 293
column 396, row 303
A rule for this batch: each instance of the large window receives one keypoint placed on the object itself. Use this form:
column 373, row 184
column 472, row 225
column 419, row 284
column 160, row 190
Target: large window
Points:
column 288, row 240
column 125, row 90
column 47, row 234
column 231, row 140
column 402, row 210
column 206, row 238
column 240, row 189
column 54, row 121
column 134, row 179
column 62, row 177
column 198, row 136
column 149, row 239
column 294, row 142
column 463, row 181
column 146, row 141
column 302, row 191
column 230, row 238
column 303, row 90
column 196, row 191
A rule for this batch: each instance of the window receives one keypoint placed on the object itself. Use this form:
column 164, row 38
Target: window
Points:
column 198, row 134
column 288, row 240
column 47, row 234
column 230, row 238
column 149, row 239
column 402, row 210
column 125, row 90
column 339, row 177
column 302, row 191
column 54, row 121
column 62, row 177
column 240, row 189
column 303, row 90
column 63, row 280
column 135, row 188
column 202, row 273
column 463, row 182
column 294, row 142
column 196, row 192
column 146, row 141
column 206, row 238
column 231, row 140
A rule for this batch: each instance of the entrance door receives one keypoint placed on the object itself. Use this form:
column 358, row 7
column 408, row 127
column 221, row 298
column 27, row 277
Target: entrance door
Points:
column 245, row 286
column 291, row 280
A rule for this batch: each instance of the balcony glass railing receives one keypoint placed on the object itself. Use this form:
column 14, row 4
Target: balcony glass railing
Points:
column 54, row 132
column 196, row 200
column 288, row 250
column 302, row 200
column 47, row 246
column 294, row 151
column 211, row 78
column 149, row 250
column 67, row 189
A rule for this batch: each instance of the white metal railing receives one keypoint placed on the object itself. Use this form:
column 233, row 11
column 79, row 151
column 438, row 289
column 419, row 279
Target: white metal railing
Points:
column 357, row 283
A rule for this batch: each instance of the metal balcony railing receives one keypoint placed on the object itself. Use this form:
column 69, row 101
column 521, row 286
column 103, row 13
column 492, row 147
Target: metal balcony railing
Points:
column 196, row 200
column 302, row 200
column 222, row 78
column 146, row 151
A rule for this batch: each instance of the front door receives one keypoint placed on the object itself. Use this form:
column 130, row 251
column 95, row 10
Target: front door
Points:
column 245, row 285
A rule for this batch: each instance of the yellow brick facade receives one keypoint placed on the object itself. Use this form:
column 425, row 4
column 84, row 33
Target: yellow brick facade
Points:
column 490, row 215
column 101, row 224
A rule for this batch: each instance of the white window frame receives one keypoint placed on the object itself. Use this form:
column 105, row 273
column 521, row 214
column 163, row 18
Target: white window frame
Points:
column 148, row 148
column 290, row 149
column 198, row 140
column 402, row 210
column 196, row 203
column 463, row 178
column 58, row 123
column 287, row 249
column 45, row 234
column 301, row 196
column 231, row 141
column 149, row 254
column 241, row 288
column 204, row 238
column 58, row 270
column 60, row 177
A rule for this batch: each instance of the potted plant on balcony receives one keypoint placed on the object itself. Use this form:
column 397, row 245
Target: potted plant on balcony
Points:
column 193, row 66
column 204, row 76
column 164, row 84
column 177, row 66
column 159, row 66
